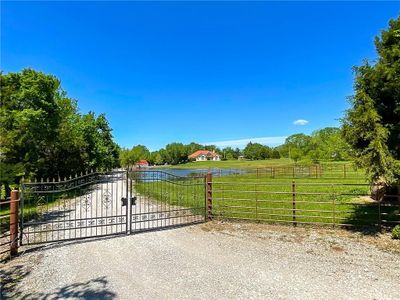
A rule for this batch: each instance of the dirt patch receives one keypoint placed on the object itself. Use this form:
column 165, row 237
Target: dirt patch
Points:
column 382, row 241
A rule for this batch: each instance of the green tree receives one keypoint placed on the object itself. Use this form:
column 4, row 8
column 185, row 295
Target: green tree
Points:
column 328, row 144
column 29, row 119
column 156, row 157
column 275, row 154
column 42, row 132
column 230, row 153
column 129, row 157
column 256, row 151
column 193, row 147
column 296, row 146
column 372, row 125
column 100, row 149
column 176, row 153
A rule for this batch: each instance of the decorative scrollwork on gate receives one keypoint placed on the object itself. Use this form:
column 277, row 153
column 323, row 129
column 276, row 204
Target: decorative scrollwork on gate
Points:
column 106, row 198
column 86, row 201
column 41, row 207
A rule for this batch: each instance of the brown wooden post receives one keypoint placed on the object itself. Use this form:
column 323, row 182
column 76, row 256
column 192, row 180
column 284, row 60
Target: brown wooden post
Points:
column 14, row 222
column 344, row 171
column 379, row 215
column 209, row 196
column 294, row 202
column 334, row 206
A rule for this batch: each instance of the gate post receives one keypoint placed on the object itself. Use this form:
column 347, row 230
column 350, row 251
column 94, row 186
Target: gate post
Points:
column 128, row 203
column 14, row 222
column 209, row 196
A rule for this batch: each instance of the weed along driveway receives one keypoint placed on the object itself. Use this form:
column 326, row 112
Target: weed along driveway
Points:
column 213, row 260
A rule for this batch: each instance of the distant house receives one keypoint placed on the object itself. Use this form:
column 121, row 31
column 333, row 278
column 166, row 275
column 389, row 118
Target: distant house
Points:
column 203, row 155
column 142, row 164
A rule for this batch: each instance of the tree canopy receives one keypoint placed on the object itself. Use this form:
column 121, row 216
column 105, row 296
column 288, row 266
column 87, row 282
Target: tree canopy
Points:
column 372, row 125
column 129, row 157
column 255, row 151
column 42, row 133
column 323, row 144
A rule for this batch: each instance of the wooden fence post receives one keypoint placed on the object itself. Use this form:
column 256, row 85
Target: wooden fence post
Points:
column 379, row 215
column 334, row 205
column 294, row 202
column 209, row 196
column 14, row 222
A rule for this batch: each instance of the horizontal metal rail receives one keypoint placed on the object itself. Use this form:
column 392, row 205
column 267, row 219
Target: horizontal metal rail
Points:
column 334, row 204
column 244, row 183
column 289, row 221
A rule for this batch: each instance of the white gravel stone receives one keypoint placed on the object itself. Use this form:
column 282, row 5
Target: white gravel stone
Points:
column 211, row 261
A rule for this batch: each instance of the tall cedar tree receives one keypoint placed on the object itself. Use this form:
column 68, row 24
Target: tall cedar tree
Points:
column 372, row 125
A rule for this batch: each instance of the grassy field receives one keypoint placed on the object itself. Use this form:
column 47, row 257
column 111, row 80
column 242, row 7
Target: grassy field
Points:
column 226, row 164
column 327, row 199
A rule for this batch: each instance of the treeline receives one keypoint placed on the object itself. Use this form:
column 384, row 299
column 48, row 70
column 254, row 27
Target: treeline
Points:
column 324, row 144
column 42, row 133
column 172, row 154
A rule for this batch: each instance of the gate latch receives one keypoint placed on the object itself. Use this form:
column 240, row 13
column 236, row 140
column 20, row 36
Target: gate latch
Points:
column 124, row 200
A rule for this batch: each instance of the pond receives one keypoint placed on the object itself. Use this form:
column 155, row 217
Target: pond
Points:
column 151, row 173
column 197, row 172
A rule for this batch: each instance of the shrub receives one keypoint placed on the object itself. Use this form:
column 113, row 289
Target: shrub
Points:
column 396, row 232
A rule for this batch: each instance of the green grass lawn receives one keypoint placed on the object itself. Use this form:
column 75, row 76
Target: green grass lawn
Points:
column 226, row 164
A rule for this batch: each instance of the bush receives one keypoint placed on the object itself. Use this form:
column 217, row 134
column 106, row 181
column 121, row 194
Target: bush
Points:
column 396, row 232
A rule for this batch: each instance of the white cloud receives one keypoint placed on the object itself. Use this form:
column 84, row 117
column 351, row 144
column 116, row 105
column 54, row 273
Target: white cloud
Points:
column 300, row 122
column 269, row 140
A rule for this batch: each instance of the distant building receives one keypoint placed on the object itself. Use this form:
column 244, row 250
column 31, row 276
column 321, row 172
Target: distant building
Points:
column 203, row 155
column 142, row 164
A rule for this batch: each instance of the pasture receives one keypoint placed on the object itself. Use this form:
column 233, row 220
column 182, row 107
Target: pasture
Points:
column 335, row 195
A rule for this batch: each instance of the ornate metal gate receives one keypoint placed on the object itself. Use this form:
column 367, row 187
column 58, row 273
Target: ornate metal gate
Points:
column 81, row 207
column 109, row 203
column 164, row 200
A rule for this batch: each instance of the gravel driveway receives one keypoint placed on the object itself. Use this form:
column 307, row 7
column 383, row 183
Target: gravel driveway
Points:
column 212, row 261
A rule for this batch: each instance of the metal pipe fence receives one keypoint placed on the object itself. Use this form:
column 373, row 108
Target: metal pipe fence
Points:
column 318, row 203
column 320, row 171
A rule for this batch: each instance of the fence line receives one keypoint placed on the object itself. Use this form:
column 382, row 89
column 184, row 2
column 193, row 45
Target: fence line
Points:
column 347, row 205
column 342, row 171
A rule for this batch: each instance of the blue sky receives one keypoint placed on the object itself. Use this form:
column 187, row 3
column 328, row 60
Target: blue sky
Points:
column 198, row 71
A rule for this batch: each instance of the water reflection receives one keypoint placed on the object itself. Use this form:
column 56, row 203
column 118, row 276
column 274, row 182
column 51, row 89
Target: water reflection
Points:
column 162, row 173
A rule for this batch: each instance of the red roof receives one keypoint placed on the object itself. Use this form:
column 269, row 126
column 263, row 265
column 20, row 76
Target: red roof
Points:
column 203, row 152
column 142, row 162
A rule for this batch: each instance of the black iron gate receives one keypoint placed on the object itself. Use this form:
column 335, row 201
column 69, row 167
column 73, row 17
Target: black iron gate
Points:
column 109, row 203
column 164, row 200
